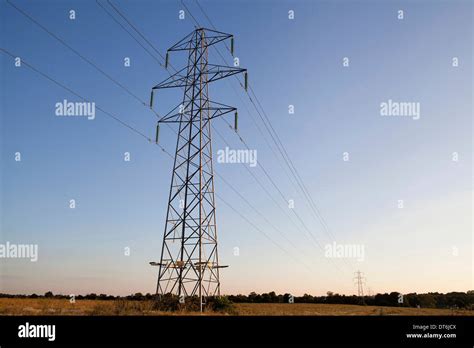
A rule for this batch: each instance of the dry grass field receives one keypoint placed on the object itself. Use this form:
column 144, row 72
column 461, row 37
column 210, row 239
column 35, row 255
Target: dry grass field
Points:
column 337, row 309
column 122, row 307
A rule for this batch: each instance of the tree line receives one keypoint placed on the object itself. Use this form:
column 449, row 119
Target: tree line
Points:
column 394, row 299
column 464, row 300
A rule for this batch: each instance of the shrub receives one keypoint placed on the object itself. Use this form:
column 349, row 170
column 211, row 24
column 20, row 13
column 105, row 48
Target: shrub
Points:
column 167, row 303
column 221, row 304
column 171, row 303
column 49, row 294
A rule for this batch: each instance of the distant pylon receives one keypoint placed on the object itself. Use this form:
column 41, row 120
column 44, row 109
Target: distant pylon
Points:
column 189, row 263
column 360, row 279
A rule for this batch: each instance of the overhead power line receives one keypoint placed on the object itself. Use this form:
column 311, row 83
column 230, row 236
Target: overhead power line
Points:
column 141, row 134
column 312, row 238
column 29, row 17
column 311, row 234
column 63, row 42
column 128, row 32
column 274, row 136
column 77, row 95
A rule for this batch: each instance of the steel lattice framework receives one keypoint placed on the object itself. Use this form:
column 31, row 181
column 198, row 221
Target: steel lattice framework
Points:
column 189, row 264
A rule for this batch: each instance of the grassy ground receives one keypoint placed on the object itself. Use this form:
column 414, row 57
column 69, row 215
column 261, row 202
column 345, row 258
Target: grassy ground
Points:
column 337, row 309
column 122, row 307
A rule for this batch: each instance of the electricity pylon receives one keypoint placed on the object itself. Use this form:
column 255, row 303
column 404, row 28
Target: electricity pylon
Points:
column 360, row 288
column 189, row 264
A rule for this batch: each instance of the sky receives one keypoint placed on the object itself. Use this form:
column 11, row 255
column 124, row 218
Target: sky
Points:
column 425, row 245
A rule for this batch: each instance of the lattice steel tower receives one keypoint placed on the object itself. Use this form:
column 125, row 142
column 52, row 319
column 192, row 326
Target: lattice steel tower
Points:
column 360, row 279
column 189, row 264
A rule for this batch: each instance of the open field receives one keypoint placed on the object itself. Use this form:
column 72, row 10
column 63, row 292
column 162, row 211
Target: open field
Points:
column 43, row 306
column 337, row 309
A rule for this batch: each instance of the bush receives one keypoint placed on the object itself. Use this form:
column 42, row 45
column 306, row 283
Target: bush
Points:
column 171, row 303
column 221, row 304
column 49, row 294
column 168, row 303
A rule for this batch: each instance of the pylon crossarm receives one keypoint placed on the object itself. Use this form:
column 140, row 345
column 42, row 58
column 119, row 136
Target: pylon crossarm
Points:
column 217, row 72
column 213, row 109
column 182, row 44
column 177, row 264
column 212, row 37
column 214, row 72
column 174, row 81
column 217, row 112
column 210, row 265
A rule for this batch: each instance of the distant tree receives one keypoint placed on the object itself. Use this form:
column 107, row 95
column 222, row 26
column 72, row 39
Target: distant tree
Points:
column 427, row 300
column 286, row 298
column 138, row 296
column 266, row 298
column 49, row 294
column 413, row 299
column 91, row 296
column 273, row 297
column 239, row 298
column 458, row 299
column 382, row 299
column 307, row 299
column 393, row 299
column 253, row 297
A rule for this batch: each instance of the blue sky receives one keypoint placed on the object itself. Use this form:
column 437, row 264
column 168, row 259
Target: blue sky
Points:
column 299, row 62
